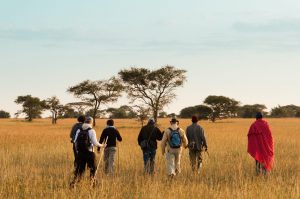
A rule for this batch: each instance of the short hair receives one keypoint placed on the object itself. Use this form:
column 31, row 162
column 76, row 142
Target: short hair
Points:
column 110, row 122
column 81, row 119
column 259, row 115
column 194, row 119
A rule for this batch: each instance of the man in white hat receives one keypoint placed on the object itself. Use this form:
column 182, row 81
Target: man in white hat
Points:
column 173, row 141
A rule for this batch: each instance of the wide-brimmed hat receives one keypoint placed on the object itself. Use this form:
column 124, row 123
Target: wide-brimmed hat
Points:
column 174, row 120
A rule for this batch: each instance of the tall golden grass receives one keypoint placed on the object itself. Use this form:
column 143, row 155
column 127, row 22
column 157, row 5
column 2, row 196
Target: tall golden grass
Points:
column 36, row 161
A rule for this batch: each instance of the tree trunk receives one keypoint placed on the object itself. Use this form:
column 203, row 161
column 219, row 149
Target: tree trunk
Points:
column 53, row 118
column 94, row 115
column 155, row 114
column 29, row 115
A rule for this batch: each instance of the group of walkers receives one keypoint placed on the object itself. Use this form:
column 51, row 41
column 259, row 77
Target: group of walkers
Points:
column 173, row 140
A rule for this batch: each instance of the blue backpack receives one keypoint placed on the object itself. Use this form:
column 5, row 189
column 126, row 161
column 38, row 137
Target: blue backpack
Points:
column 175, row 138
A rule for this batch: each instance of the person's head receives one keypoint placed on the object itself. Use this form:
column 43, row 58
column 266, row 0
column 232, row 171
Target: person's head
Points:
column 194, row 119
column 110, row 122
column 81, row 119
column 151, row 121
column 88, row 120
column 174, row 121
column 259, row 115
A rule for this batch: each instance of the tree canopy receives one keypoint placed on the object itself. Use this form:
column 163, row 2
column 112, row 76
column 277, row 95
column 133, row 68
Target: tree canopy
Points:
column 249, row 111
column 152, row 88
column 4, row 114
column 32, row 106
column 222, row 107
column 201, row 111
column 55, row 107
column 97, row 93
column 285, row 111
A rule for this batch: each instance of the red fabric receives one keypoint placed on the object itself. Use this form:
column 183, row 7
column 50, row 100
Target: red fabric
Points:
column 260, row 143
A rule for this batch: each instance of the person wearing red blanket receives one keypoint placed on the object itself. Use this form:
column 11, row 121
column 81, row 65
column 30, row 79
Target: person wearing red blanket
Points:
column 260, row 145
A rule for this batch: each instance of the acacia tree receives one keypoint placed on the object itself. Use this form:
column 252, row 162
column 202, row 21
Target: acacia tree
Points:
column 222, row 107
column 152, row 88
column 53, row 105
column 32, row 106
column 97, row 93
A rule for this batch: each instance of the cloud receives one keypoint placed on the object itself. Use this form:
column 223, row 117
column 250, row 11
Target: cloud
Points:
column 56, row 35
column 278, row 25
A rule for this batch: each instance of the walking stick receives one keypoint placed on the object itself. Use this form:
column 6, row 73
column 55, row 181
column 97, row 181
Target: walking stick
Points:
column 101, row 155
column 207, row 152
column 118, row 157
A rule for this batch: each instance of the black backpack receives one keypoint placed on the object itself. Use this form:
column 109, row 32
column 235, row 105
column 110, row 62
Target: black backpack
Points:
column 83, row 140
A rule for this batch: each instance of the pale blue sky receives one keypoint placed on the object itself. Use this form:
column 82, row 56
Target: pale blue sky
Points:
column 247, row 50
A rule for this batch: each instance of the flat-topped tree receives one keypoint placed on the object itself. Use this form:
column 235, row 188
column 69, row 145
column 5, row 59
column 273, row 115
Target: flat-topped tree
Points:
column 97, row 93
column 32, row 106
column 153, row 88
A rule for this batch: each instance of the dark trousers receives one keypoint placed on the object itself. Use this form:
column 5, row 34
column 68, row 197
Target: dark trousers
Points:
column 195, row 159
column 84, row 159
column 149, row 160
column 75, row 154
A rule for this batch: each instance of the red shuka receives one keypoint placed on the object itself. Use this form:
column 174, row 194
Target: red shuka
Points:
column 260, row 143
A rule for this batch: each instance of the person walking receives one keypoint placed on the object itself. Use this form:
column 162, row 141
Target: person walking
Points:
column 147, row 139
column 112, row 135
column 174, row 139
column 261, row 145
column 197, row 143
column 85, row 140
column 74, row 129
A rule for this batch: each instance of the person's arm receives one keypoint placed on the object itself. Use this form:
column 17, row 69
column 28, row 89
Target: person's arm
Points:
column 140, row 137
column 93, row 138
column 119, row 138
column 184, row 139
column 76, row 135
column 101, row 139
column 159, row 134
column 72, row 133
column 204, row 139
column 164, row 142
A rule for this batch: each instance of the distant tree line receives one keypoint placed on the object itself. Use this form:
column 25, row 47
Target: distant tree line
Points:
column 221, row 107
column 149, row 91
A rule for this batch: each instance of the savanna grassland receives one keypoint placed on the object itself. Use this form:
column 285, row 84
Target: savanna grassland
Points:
column 36, row 161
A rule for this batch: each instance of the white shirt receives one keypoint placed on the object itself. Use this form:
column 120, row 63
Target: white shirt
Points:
column 92, row 136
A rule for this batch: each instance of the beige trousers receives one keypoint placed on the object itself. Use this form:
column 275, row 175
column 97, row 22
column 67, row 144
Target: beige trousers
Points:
column 173, row 162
